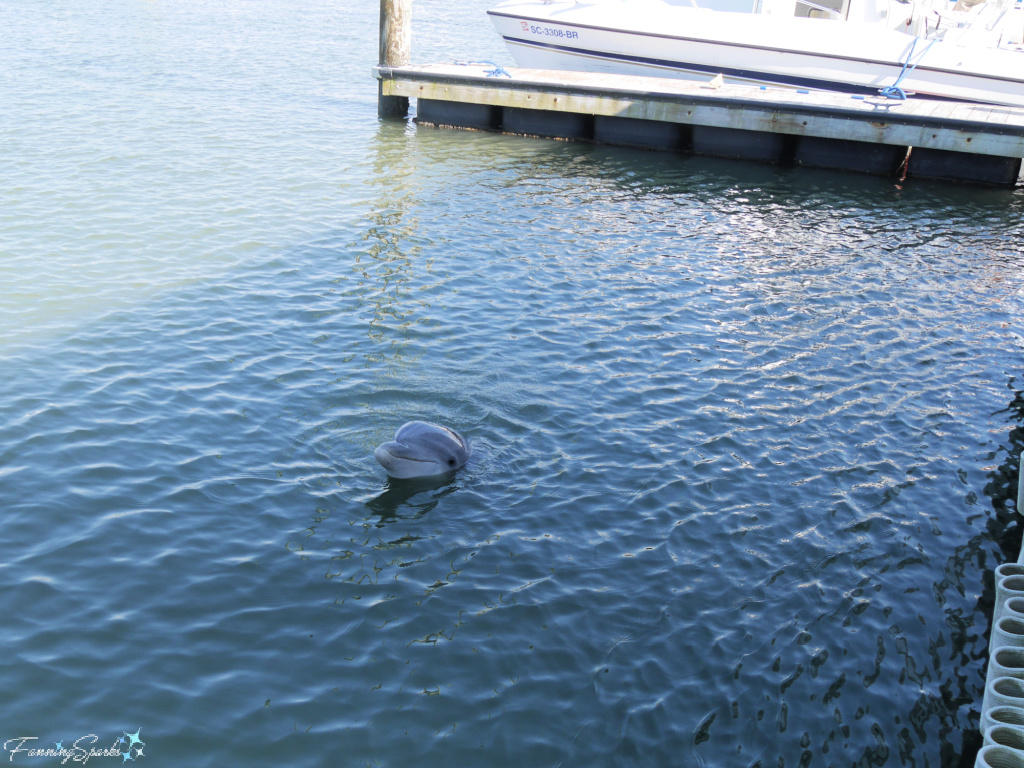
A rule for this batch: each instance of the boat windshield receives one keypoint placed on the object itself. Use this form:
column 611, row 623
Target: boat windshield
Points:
column 813, row 9
column 808, row 9
column 821, row 9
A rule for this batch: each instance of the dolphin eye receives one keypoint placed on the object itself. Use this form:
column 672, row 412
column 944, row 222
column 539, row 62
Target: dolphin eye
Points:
column 451, row 462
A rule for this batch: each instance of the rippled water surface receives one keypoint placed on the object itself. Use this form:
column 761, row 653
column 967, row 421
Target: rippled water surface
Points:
column 743, row 436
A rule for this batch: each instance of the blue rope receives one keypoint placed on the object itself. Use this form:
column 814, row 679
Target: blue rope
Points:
column 496, row 72
column 894, row 91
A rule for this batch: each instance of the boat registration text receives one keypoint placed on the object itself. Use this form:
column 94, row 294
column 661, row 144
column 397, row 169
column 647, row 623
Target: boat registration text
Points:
column 565, row 34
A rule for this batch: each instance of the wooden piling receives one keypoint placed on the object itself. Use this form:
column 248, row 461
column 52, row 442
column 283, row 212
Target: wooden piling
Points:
column 395, row 49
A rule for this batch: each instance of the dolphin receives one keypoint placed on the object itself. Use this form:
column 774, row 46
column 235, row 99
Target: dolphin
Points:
column 421, row 449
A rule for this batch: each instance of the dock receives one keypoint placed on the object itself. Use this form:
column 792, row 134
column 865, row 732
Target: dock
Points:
column 960, row 142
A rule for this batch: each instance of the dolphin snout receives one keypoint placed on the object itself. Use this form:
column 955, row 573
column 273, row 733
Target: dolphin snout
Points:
column 393, row 450
column 381, row 455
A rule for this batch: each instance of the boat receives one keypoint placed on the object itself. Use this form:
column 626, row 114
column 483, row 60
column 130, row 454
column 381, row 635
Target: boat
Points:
column 968, row 51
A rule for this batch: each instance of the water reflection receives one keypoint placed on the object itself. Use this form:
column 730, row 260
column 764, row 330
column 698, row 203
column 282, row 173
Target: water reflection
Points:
column 1005, row 524
column 389, row 256
column 960, row 741
column 1003, row 528
column 410, row 499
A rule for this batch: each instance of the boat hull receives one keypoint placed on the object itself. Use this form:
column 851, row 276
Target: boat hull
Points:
column 693, row 43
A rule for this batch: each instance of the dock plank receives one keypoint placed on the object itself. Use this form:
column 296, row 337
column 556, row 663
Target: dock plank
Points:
column 942, row 126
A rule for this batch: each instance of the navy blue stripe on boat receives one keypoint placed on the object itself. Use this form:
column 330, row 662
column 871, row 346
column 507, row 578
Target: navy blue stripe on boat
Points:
column 681, row 66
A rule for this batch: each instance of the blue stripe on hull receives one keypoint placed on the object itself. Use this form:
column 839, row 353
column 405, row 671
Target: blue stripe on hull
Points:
column 704, row 69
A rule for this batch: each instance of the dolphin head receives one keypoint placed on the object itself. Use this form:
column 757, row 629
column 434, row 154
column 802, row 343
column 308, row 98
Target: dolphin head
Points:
column 421, row 449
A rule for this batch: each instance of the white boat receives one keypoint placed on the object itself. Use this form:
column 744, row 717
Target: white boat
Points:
column 926, row 48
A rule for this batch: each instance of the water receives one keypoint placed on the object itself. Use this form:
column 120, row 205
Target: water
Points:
column 743, row 436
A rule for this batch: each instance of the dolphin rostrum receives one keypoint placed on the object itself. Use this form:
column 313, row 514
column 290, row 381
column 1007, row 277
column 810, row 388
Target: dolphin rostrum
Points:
column 421, row 449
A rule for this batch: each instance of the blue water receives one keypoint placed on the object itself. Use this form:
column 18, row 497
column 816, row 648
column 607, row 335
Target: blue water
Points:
column 743, row 436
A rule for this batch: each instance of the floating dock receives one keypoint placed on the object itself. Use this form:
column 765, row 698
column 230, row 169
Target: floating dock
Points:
column 954, row 141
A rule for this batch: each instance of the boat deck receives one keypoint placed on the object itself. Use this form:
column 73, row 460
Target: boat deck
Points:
column 936, row 139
